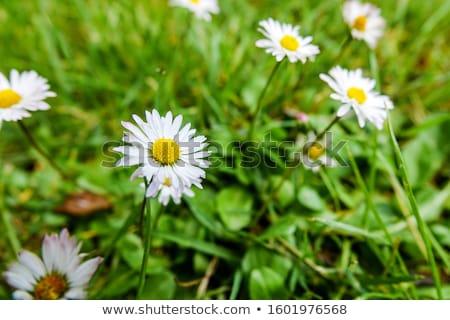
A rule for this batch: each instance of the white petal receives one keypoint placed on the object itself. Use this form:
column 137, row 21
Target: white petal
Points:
column 77, row 293
column 33, row 263
column 20, row 279
column 22, row 295
column 84, row 272
column 343, row 110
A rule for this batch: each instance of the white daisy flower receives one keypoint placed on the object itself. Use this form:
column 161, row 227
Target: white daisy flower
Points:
column 314, row 153
column 58, row 275
column 283, row 40
column 169, row 158
column 364, row 20
column 167, row 191
column 357, row 92
column 22, row 93
column 201, row 8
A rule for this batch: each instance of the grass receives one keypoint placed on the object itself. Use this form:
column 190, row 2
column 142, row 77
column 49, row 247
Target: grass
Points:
column 375, row 228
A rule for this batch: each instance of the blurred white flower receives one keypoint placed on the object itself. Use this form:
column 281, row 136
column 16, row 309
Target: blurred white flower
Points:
column 283, row 40
column 314, row 153
column 201, row 8
column 355, row 91
column 22, row 93
column 364, row 20
column 169, row 158
column 58, row 275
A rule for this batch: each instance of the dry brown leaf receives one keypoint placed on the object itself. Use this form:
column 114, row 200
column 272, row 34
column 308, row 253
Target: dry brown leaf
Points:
column 83, row 204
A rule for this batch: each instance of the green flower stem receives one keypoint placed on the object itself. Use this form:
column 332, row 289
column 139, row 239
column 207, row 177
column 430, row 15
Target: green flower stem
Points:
column 149, row 231
column 415, row 209
column 38, row 148
column 147, row 244
column 328, row 127
column 142, row 212
column 373, row 156
column 343, row 48
column 255, row 115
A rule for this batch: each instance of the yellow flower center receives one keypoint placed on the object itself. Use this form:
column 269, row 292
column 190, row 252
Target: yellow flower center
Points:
column 360, row 23
column 357, row 94
column 195, row 1
column 315, row 151
column 167, row 182
column 8, row 98
column 51, row 287
column 289, row 42
column 165, row 151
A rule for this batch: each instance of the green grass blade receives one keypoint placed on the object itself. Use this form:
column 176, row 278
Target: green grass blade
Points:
column 415, row 209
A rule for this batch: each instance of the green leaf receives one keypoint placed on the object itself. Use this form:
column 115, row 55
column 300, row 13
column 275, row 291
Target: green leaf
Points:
column 350, row 230
column 257, row 257
column 203, row 208
column 284, row 226
column 159, row 286
column 124, row 281
column 310, row 198
column 266, row 284
column 203, row 246
column 131, row 250
column 286, row 193
column 442, row 233
column 234, row 205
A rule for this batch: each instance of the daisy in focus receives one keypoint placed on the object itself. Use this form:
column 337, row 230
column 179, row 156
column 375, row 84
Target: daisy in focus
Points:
column 283, row 40
column 60, row 274
column 357, row 93
column 23, row 92
column 170, row 158
column 201, row 8
column 364, row 20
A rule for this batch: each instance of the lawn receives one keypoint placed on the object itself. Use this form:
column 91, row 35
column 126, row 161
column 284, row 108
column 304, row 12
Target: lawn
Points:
column 375, row 225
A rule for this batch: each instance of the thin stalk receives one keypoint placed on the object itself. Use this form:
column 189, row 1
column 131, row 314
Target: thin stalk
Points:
column 147, row 245
column 255, row 115
column 373, row 156
column 149, row 231
column 39, row 149
column 142, row 212
column 328, row 127
column 343, row 48
column 415, row 209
